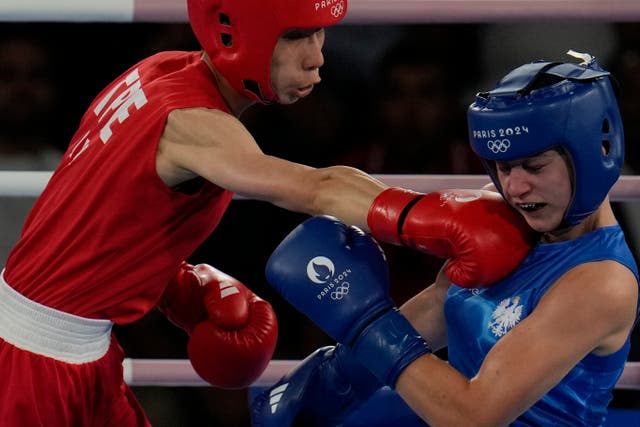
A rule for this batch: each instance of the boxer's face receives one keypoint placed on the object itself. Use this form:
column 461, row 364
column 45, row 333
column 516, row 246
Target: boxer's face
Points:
column 539, row 187
column 295, row 63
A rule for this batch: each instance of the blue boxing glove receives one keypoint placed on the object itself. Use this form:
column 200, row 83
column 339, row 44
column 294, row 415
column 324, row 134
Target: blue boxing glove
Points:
column 385, row 408
column 323, row 390
column 338, row 276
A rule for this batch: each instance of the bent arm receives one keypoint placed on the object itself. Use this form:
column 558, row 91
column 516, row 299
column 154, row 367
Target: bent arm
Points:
column 534, row 356
column 217, row 146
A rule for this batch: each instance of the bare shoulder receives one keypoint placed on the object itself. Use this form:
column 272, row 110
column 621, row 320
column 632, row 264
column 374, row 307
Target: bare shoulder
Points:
column 604, row 280
column 196, row 141
column 602, row 295
column 203, row 126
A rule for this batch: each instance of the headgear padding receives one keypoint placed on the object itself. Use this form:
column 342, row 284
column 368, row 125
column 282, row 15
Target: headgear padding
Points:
column 240, row 35
column 545, row 105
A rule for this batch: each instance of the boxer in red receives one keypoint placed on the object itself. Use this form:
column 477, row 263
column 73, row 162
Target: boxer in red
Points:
column 145, row 180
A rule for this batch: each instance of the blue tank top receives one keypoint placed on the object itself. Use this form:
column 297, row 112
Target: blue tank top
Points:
column 477, row 318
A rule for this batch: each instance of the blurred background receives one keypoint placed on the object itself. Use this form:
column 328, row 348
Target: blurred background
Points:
column 392, row 101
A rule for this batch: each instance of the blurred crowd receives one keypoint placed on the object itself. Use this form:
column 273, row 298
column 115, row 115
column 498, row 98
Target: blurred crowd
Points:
column 392, row 101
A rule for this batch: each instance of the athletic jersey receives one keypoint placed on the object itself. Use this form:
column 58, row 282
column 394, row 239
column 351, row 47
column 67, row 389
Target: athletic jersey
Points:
column 477, row 318
column 106, row 235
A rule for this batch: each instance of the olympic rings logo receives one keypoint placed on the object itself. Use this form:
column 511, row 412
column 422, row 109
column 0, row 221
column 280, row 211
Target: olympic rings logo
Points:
column 340, row 291
column 499, row 145
column 337, row 10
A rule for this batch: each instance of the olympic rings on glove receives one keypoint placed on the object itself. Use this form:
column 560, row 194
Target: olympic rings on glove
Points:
column 340, row 291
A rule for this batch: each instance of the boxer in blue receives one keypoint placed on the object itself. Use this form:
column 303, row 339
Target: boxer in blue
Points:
column 544, row 345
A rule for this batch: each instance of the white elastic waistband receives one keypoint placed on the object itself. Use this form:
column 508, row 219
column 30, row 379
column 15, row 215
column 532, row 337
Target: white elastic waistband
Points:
column 49, row 332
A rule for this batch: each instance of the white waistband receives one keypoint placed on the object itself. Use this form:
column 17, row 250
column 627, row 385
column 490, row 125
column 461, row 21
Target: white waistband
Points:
column 49, row 332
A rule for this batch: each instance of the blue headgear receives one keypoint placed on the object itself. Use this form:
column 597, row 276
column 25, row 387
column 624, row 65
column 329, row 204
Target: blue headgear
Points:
column 545, row 105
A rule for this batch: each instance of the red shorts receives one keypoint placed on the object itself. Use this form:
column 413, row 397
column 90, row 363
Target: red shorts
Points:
column 60, row 370
column 41, row 391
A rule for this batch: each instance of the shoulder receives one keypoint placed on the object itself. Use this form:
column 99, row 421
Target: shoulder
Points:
column 204, row 126
column 601, row 296
column 203, row 117
column 605, row 283
column 601, row 278
column 196, row 139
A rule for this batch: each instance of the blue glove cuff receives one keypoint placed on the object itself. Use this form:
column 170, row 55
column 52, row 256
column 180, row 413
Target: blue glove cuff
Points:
column 388, row 345
column 362, row 381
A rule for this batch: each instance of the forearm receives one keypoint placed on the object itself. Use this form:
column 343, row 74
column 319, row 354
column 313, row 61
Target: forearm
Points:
column 425, row 312
column 442, row 396
column 346, row 193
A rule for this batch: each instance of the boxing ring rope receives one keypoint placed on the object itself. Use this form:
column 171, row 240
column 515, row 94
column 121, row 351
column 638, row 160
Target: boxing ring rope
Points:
column 360, row 11
column 30, row 184
column 179, row 373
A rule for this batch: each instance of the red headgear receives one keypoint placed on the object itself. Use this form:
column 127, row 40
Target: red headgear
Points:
column 239, row 35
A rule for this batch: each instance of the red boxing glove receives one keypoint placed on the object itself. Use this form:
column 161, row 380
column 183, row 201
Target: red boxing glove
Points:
column 484, row 237
column 233, row 332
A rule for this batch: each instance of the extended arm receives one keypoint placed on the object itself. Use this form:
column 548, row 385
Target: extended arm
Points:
column 217, row 147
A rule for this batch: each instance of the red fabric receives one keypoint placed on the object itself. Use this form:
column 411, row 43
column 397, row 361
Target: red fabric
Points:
column 40, row 391
column 106, row 235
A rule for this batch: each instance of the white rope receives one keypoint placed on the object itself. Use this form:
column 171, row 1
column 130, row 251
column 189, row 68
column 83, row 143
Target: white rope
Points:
column 179, row 373
column 360, row 11
column 23, row 183
column 30, row 184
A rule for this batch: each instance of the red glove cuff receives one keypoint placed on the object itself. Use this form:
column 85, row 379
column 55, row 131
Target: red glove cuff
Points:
column 226, row 299
column 182, row 300
column 387, row 213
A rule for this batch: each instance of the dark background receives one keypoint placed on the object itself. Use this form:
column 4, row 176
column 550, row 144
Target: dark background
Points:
column 392, row 101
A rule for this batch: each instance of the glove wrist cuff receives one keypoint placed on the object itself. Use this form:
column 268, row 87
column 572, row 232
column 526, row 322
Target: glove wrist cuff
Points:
column 387, row 212
column 388, row 345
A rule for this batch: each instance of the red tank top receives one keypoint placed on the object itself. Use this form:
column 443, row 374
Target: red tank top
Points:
column 106, row 234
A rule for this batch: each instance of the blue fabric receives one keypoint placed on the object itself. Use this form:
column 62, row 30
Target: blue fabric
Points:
column 384, row 409
column 622, row 418
column 477, row 318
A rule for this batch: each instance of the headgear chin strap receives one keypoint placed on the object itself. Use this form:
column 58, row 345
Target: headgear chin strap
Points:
column 239, row 35
column 545, row 105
